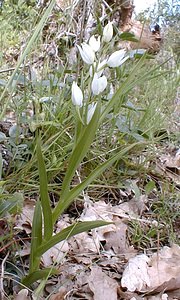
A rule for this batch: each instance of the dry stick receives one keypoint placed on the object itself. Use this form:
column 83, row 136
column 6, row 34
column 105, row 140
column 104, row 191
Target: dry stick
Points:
column 2, row 293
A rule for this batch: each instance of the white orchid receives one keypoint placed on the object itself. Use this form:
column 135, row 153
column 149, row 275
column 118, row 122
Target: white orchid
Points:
column 94, row 43
column 117, row 58
column 98, row 84
column 108, row 32
column 91, row 110
column 77, row 95
column 87, row 53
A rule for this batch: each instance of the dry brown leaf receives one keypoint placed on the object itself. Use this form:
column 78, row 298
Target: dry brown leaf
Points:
column 60, row 295
column 169, row 165
column 22, row 295
column 103, row 287
column 117, row 239
column 135, row 276
column 24, row 221
column 165, row 269
column 55, row 254
column 160, row 273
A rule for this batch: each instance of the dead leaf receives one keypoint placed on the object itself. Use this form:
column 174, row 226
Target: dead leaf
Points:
column 103, row 287
column 24, row 221
column 117, row 239
column 22, row 295
column 60, row 295
column 135, row 276
column 55, row 254
column 158, row 274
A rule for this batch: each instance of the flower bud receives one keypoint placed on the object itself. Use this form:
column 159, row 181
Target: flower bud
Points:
column 108, row 32
column 77, row 95
column 91, row 110
column 117, row 58
column 98, row 84
column 94, row 43
column 86, row 53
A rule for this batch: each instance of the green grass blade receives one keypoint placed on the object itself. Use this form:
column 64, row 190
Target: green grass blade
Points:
column 80, row 150
column 36, row 237
column 62, row 205
column 25, row 52
column 37, row 275
column 68, row 232
column 44, row 196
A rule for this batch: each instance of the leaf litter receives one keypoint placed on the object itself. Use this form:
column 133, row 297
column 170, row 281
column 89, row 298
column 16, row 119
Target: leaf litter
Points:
column 102, row 264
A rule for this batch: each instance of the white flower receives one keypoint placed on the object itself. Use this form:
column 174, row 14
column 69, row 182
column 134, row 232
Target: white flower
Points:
column 108, row 32
column 91, row 110
column 98, row 84
column 77, row 95
column 94, row 43
column 99, row 69
column 117, row 58
column 87, row 53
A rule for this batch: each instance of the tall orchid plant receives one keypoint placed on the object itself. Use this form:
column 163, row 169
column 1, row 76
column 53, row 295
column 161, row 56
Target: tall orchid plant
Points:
column 90, row 115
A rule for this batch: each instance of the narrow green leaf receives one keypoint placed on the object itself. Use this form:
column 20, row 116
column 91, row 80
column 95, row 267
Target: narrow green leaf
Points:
column 61, row 206
column 68, row 232
column 36, row 237
column 45, row 201
column 80, row 150
column 40, row 274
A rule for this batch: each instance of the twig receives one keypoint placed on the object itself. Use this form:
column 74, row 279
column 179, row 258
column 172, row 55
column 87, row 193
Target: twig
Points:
column 2, row 293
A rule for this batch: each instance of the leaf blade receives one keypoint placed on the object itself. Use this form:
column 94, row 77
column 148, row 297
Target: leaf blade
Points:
column 68, row 232
column 44, row 196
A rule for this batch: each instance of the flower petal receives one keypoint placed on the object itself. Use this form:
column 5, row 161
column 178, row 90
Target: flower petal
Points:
column 77, row 95
column 108, row 32
column 94, row 43
column 91, row 110
column 98, row 84
column 117, row 58
column 86, row 53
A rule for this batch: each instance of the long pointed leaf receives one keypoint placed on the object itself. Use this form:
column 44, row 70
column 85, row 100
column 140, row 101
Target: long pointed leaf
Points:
column 40, row 274
column 36, row 237
column 68, row 232
column 45, row 201
column 80, row 150
column 61, row 206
